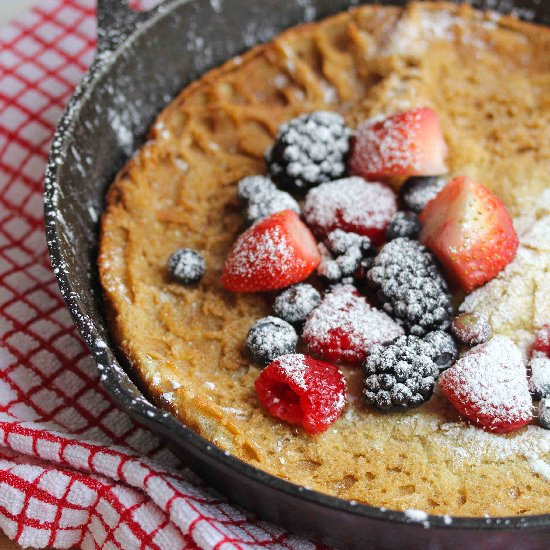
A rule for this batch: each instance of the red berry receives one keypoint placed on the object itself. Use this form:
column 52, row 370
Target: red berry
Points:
column 470, row 232
column 488, row 385
column 542, row 341
column 351, row 204
column 344, row 327
column 301, row 390
column 275, row 252
column 406, row 144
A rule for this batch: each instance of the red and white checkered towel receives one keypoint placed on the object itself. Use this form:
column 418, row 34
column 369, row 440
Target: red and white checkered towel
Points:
column 74, row 470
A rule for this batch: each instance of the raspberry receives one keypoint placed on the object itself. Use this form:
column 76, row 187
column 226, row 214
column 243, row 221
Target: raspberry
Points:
column 344, row 326
column 410, row 287
column 309, row 150
column 488, row 385
column 403, row 224
column 303, row 391
column 269, row 338
column 471, row 328
column 400, row 375
column 186, row 266
column 296, row 303
column 417, row 192
column 539, row 383
column 444, row 348
column 542, row 341
column 351, row 204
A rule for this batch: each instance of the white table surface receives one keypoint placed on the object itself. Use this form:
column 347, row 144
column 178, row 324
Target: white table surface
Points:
column 10, row 8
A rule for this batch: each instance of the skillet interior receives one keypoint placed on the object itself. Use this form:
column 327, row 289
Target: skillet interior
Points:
column 102, row 128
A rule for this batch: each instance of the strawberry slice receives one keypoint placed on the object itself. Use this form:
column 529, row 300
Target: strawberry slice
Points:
column 275, row 252
column 410, row 143
column 488, row 385
column 302, row 391
column 344, row 327
column 470, row 232
column 353, row 205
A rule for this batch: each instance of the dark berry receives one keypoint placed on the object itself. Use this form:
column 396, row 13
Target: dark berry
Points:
column 263, row 205
column 253, row 186
column 403, row 224
column 340, row 241
column 411, row 287
column 471, row 328
column 295, row 303
column 269, row 338
column 309, row 150
column 186, row 266
column 417, row 192
column 544, row 413
column 445, row 350
column 539, row 382
column 304, row 391
column 399, row 375
column 346, row 256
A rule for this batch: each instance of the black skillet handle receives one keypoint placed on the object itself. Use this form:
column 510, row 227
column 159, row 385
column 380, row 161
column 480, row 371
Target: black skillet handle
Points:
column 116, row 22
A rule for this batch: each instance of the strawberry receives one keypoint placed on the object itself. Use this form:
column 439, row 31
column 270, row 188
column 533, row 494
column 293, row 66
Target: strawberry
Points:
column 275, row 252
column 488, row 385
column 353, row 205
column 302, row 391
column 344, row 327
column 470, row 232
column 410, row 143
column 542, row 341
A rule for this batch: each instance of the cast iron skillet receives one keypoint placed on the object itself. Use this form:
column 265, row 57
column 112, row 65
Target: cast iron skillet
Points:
column 143, row 60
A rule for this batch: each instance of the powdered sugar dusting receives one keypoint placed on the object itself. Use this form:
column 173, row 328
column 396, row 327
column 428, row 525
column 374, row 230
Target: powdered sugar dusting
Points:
column 268, row 247
column 352, row 204
column 492, row 380
column 345, row 317
column 294, row 367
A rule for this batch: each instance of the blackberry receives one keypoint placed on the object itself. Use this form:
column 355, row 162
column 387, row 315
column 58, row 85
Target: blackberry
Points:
column 403, row 224
column 418, row 191
column 295, row 303
column 269, row 338
column 186, row 266
column 309, row 150
column 399, row 375
column 544, row 413
column 345, row 256
column 410, row 287
column 252, row 186
column 445, row 350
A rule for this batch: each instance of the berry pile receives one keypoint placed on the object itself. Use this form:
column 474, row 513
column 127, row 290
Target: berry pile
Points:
column 353, row 229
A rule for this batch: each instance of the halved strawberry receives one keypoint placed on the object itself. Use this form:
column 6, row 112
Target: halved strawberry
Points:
column 275, row 252
column 344, row 326
column 470, row 232
column 488, row 385
column 405, row 144
column 353, row 205
column 303, row 391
